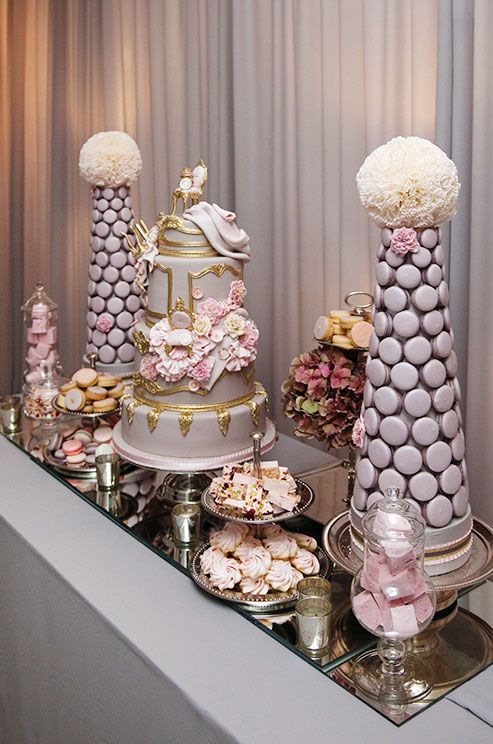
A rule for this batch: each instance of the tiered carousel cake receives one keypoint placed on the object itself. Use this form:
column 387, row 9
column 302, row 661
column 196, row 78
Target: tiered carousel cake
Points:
column 195, row 400
column 411, row 434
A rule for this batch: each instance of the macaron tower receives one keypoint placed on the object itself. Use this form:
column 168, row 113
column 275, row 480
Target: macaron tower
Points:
column 110, row 162
column 410, row 428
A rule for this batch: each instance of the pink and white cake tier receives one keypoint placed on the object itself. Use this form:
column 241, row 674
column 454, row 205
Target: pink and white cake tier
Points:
column 195, row 401
column 410, row 431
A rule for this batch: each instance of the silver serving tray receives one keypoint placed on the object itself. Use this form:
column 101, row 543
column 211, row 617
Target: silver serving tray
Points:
column 268, row 603
column 306, row 500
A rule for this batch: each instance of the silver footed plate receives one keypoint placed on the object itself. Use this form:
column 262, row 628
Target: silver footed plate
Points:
column 81, row 414
column 235, row 515
column 266, row 603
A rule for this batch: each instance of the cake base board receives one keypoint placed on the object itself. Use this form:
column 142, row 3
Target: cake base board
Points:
column 185, row 465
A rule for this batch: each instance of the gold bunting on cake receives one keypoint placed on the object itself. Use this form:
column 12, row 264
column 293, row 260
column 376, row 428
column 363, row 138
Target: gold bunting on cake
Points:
column 223, row 419
column 254, row 410
column 153, row 418
column 141, row 342
column 185, row 421
column 130, row 409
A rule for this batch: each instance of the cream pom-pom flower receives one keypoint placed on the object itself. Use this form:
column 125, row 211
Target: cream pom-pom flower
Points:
column 110, row 159
column 408, row 182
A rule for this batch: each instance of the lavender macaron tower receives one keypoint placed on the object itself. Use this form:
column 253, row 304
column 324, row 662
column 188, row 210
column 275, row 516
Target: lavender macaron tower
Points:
column 110, row 162
column 409, row 433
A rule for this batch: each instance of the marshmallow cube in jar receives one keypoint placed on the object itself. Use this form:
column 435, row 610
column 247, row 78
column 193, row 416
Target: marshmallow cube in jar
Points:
column 391, row 595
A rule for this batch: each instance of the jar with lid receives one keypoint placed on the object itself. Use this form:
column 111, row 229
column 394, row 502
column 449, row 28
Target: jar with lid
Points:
column 393, row 598
column 43, row 373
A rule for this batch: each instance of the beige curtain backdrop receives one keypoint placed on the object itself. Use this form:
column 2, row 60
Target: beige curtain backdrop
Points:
column 283, row 98
column 464, row 126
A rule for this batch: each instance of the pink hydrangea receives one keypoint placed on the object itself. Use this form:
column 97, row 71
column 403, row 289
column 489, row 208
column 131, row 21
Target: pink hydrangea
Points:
column 358, row 433
column 212, row 309
column 104, row 323
column 237, row 294
column 148, row 368
column 202, row 371
column 404, row 240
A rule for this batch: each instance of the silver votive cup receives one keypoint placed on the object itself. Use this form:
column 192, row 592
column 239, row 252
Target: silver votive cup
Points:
column 314, row 586
column 108, row 470
column 110, row 499
column 10, row 413
column 186, row 521
column 313, row 623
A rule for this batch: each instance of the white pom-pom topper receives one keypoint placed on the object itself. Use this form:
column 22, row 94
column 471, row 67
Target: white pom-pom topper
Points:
column 409, row 182
column 110, row 159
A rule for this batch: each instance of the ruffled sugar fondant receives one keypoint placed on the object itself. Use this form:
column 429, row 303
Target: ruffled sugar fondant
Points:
column 221, row 231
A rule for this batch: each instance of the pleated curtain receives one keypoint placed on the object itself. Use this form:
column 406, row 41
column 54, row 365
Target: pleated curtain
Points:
column 283, row 99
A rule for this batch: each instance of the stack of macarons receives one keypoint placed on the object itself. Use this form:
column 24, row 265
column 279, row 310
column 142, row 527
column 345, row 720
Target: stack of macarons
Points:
column 344, row 330
column 90, row 392
column 76, row 446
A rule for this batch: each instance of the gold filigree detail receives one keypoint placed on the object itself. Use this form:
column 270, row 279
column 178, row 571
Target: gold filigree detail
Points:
column 217, row 269
column 224, row 420
column 195, row 407
column 141, row 342
column 138, row 232
column 210, row 253
column 254, row 411
column 185, row 421
column 153, row 418
column 174, row 222
column 130, row 409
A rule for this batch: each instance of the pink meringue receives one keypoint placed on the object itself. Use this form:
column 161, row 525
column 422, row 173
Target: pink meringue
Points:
column 229, row 537
column 305, row 541
column 257, row 564
column 247, row 548
column 281, row 545
column 306, row 562
column 209, row 558
column 225, row 573
column 282, row 576
column 254, row 586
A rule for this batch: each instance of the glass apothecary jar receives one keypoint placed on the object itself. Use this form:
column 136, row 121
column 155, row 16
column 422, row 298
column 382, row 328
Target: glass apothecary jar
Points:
column 393, row 598
column 43, row 374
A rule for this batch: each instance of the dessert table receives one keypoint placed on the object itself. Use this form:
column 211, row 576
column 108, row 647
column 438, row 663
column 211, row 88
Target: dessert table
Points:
column 104, row 641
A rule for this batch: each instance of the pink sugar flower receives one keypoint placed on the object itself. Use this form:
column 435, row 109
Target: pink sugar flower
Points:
column 202, row 371
column 104, row 323
column 148, row 368
column 358, row 433
column 404, row 240
column 237, row 293
column 212, row 309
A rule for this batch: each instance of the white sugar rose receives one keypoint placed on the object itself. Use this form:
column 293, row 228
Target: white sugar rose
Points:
column 408, row 182
column 202, row 325
column 234, row 325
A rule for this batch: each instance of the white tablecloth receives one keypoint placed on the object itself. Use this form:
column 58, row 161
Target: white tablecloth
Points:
column 103, row 642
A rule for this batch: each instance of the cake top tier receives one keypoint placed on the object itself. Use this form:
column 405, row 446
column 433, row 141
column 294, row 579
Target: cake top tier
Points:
column 408, row 182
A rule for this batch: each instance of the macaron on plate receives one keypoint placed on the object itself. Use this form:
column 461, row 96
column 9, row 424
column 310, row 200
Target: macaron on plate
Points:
column 90, row 395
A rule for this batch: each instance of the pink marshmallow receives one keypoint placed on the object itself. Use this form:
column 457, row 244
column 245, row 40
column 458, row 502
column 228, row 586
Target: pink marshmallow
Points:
column 367, row 582
column 423, row 608
column 398, row 556
column 382, row 601
column 404, row 620
column 51, row 335
column 398, row 586
column 39, row 325
column 366, row 610
column 40, row 310
column 387, row 524
column 33, row 376
column 42, row 350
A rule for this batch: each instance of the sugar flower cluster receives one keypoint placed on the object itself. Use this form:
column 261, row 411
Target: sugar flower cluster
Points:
column 408, row 182
column 110, row 159
column 185, row 346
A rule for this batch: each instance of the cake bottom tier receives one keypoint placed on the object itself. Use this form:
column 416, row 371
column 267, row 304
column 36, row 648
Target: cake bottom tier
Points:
column 192, row 438
column 446, row 548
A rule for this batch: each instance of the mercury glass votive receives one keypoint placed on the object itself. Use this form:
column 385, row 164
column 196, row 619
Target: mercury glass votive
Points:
column 313, row 623
column 108, row 470
column 10, row 413
column 314, row 586
column 186, row 522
